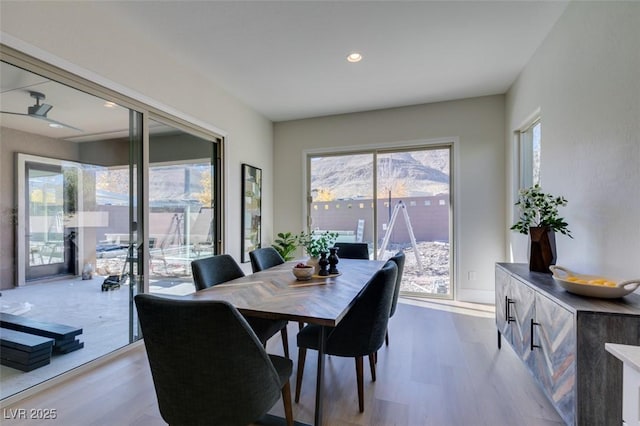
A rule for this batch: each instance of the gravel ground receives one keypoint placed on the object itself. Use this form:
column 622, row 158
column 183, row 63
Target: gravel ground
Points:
column 434, row 277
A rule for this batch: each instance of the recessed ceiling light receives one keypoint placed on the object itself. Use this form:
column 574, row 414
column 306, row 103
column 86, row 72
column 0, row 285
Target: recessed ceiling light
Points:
column 354, row 57
column 109, row 104
column 56, row 125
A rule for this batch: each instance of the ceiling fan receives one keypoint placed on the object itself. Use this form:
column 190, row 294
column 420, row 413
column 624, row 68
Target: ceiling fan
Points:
column 40, row 111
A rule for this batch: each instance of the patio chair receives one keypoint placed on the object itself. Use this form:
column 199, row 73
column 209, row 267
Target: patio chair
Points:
column 210, row 271
column 207, row 365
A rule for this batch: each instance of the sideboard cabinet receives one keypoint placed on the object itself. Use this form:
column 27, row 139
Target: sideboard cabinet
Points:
column 560, row 337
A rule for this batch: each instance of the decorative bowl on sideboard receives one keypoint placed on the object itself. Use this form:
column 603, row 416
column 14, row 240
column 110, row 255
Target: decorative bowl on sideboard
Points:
column 592, row 285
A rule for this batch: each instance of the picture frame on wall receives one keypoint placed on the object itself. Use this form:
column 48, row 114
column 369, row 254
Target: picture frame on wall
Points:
column 251, row 210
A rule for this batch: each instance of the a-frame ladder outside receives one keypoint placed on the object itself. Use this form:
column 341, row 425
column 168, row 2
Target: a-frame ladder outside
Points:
column 392, row 222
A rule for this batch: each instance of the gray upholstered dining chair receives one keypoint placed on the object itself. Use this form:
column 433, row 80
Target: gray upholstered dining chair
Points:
column 360, row 333
column 208, row 366
column 213, row 270
column 353, row 250
column 264, row 258
column 398, row 258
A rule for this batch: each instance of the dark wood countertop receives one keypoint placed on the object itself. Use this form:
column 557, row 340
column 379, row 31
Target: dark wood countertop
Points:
column 627, row 305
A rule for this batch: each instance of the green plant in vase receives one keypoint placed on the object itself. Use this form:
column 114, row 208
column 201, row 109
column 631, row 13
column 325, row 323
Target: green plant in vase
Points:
column 539, row 218
column 316, row 243
column 286, row 244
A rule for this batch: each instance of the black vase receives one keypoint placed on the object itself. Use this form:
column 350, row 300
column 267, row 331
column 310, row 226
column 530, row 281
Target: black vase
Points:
column 333, row 260
column 542, row 250
column 323, row 262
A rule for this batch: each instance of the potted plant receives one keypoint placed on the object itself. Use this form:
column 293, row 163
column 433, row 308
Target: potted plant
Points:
column 315, row 244
column 285, row 244
column 539, row 218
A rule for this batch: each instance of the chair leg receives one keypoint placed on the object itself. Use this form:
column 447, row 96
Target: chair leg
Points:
column 360, row 383
column 386, row 338
column 285, row 341
column 302, row 355
column 300, row 325
column 372, row 365
column 286, row 400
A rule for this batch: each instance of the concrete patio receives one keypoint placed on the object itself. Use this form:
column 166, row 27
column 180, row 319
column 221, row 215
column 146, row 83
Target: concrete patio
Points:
column 103, row 316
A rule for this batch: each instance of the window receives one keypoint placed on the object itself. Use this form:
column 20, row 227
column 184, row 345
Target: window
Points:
column 529, row 139
column 387, row 180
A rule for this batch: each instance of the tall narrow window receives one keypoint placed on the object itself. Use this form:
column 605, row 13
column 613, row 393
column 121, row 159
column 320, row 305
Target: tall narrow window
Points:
column 530, row 154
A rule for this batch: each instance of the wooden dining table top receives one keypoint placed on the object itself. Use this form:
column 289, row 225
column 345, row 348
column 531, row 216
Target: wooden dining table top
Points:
column 275, row 293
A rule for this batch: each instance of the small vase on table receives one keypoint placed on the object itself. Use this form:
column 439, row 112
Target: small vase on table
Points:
column 323, row 262
column 333, row 260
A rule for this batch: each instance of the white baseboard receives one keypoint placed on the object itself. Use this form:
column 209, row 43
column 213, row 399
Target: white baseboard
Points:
column 476, row 296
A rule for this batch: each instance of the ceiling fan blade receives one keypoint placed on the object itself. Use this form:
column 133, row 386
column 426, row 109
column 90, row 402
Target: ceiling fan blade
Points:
column 14, row 113
column 47, row 119
column 40, row 110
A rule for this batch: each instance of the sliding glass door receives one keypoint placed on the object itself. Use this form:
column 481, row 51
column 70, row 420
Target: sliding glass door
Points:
column 183, row 194
column 392, row 200
column 68, row 270
column 414, row 201
column 105, row 197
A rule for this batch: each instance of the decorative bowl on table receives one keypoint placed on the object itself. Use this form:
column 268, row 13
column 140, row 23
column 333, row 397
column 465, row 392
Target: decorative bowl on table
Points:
column 592, row 285
column 303, row 272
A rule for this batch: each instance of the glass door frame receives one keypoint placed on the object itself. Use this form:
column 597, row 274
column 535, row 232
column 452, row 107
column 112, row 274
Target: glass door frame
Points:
column 67, row 264
column 139, row 152
column 449, row 143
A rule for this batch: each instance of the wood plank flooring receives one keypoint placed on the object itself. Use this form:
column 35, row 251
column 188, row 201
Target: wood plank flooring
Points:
column 442, row 368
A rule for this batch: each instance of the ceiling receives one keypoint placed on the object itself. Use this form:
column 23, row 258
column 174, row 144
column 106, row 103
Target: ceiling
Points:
column 86, row 113
column 287, row 59
column 84, row 117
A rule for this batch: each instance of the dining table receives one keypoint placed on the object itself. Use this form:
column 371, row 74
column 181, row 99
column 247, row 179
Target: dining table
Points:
column 275, row 293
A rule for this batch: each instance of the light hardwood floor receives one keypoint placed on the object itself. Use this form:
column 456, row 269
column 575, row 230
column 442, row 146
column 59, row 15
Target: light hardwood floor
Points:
column 442, row 368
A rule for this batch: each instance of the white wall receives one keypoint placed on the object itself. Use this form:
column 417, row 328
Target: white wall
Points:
column 585, row 78
column 478, row 126
column 88, row 39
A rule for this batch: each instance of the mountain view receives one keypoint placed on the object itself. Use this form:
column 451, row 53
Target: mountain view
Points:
column 405, row 174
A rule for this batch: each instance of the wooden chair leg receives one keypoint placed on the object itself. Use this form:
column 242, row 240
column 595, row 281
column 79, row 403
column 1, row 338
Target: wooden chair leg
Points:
column 360, row 383
column 286, row 400
column 300, row 325
column 372, row 365
column 386, row 338
column 285, row 341
column 302, row 355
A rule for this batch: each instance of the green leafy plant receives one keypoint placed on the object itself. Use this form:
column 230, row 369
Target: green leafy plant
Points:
column 540, row 209
column 315, row 243
column 286, row 244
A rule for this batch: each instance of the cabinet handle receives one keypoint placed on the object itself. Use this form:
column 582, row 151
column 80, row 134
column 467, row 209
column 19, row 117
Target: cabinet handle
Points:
column 507, row 303
column 533, row 323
